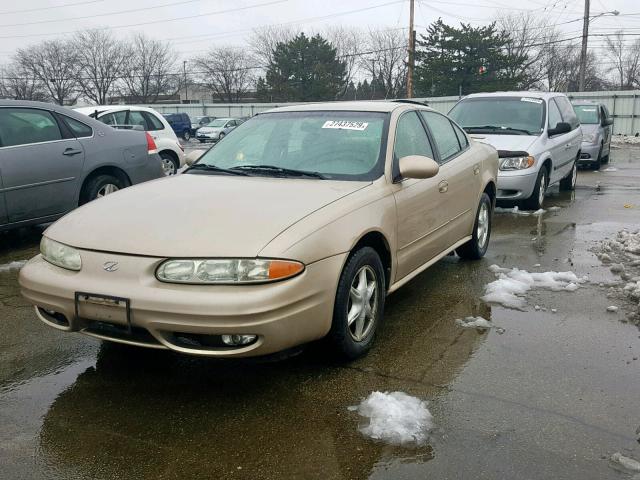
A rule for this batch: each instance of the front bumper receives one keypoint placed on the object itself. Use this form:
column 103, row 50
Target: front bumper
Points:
column 589, row 153
column 208, row 136
column 515, row 186
column 282, row 314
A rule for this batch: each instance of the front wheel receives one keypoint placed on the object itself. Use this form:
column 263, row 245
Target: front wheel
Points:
column 596, row 165
column 186, row 135
column 359, row 304
column 536, row 200
column 475, row 248
column 569, row 182
column 221, row 136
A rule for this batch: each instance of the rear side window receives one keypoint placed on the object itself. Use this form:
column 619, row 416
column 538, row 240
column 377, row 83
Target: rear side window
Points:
column 411, row 137
column 153, row 122
column 462, row 138
column 136, row 118
column 443, row 134
column 79, row 129
column 22, row 126
column 115, row 118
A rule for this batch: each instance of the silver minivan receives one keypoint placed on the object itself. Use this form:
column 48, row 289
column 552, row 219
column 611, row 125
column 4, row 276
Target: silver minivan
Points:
column 537, row 136
column 595, row 123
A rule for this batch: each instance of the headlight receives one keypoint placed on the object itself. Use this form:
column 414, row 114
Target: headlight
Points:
column 227, row 270
column 589, row 138
column 61, row 255
column 516, row 163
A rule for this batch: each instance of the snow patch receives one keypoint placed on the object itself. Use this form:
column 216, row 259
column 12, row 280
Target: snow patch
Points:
column 610, row 169
column 15, row 265
column 612, row 309
column 516, row 211
column 625, row 462
column 474, row 322
column 622, row 139
column 512, row 285
column 395, row 418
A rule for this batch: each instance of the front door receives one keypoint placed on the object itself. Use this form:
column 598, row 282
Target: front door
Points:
column 421, row 204
column 39, row 167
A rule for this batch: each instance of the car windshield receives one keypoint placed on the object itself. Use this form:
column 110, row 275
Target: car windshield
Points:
column 217, row 123
column 587, row 114
column 503, row 115
column 342, row 145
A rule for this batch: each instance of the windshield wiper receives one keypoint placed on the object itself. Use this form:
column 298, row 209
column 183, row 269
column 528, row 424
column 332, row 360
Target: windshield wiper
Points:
column 498, row 128
column 212, row 168
column 287, row 172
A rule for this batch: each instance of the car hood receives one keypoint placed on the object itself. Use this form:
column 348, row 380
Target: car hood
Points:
column 588, row 128
column 515, row 143
column 209, row 130
column 197, row 215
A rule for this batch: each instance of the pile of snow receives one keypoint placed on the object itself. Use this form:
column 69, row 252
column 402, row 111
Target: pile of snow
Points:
column 474, row 322
column 610, row 169
column 15, row 265
column 626, row 463
column 512, row 285
column 396, row 418
column 516, row 211
column 621, row 139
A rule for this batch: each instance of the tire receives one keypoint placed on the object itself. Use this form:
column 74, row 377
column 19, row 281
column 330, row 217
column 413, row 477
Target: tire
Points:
column 353, row 340
column 100, row 186
column 568, row 183
column 596, row 165
column 201, row 141
column 536, row 200
column 475, row 248
column 169, row 164
column 186, row 135
column 221, row 136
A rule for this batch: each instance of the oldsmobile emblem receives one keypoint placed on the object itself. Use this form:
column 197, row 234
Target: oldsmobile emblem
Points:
column 110, row 266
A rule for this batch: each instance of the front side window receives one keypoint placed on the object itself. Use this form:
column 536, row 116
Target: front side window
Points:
column 79, row 129
column 411, row 137
column 554, row 114
column 22, row 126
column 500, row 115
column 342, row 145
column 567, row 112
column 587, row 114
column 443, row 134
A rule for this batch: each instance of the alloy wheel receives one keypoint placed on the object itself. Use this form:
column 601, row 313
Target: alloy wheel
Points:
column 363, row 302
column 482, row 231
column 542, row 190
column 575, row 175
column 168, row 167
column 106, row 189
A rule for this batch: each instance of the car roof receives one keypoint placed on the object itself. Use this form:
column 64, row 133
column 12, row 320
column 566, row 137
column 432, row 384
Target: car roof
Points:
column 106, row 108
column 354, row 106
column 68, row 111
column 530, row 93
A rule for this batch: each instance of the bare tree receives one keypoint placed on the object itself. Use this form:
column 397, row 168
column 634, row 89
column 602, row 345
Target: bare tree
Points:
column 101, row 59
column 347, row 42
column 54, row 64
column 147, row 70
column 19, row 84
column 385, row 60
column 625, row 59
column 563, row 65
column 526, row 56
column 264, row 40
column 226, row 71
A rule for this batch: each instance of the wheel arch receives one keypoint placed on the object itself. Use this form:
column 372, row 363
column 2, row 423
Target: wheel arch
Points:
column 377, row 240
column 104, row 170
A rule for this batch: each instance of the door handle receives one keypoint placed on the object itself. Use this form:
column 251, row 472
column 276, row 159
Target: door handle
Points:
column 71, row 151
column 443, row 186
column 476, row 169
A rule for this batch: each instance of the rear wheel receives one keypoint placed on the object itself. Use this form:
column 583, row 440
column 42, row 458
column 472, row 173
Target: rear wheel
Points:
column 221, row 136
column 100, row 186
column 475, row 248
column 169, row 164
column 359, row 304
column 569, row 182
column 536, row 200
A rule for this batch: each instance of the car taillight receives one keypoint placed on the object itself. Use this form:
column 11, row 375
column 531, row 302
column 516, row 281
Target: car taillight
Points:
column 151, row 145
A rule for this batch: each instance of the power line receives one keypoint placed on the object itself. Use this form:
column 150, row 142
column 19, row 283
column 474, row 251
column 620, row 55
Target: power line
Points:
column 9, row 12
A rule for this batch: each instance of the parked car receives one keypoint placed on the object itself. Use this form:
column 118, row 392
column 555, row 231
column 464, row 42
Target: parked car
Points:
column 595, row 123
column 197, row 122
column 180, row 123
column 53, row 159
column 217, row 129
column 537, row 136
column 298, row 225
column 146, row 119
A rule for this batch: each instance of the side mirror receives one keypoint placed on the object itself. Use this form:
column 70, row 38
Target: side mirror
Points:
column 561, row 127
column 418, row 166
column 607, row 121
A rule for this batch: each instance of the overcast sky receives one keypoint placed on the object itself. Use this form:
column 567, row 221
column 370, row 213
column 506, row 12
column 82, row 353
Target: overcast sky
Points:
column 193, row 26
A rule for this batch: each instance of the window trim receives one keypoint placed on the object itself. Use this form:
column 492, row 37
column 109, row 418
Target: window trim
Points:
column 53, row 114
column 395, row 165
column 450, row 157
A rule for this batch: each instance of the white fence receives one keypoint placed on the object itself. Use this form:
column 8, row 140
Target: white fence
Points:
column 623, row 105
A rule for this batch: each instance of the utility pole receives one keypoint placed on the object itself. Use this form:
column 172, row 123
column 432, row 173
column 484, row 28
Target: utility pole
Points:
column 583, row 53
column 186, row 87
column 412, row 47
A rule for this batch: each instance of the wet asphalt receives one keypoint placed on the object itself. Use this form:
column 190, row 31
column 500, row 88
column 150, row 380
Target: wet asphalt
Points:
column 552, row 397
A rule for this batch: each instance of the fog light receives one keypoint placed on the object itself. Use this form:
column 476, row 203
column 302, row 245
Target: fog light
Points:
column 236, row 340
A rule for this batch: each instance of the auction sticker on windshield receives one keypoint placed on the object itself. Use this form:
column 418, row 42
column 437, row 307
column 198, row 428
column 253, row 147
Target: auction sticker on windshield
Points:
column 345, row 125
column 532, row 100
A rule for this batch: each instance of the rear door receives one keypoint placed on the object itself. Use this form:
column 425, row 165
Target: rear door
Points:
column 40, row 163
column 460, row 172
column 607, row 129
column 556, row 144
column 3, row 209
column 572, row 140
column 421, row 208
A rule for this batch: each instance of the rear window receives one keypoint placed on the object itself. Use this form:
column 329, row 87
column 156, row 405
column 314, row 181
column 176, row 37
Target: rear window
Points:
column 587, row 113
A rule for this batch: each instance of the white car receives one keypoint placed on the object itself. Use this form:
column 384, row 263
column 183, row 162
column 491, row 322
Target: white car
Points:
column 147, row 119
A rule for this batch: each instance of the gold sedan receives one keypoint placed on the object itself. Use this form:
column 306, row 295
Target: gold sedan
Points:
column 294, row 227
